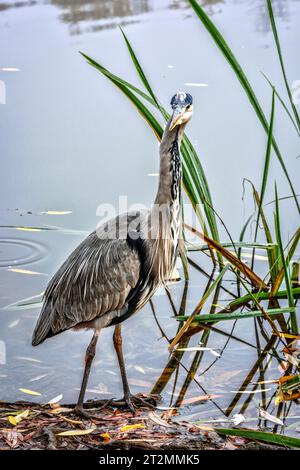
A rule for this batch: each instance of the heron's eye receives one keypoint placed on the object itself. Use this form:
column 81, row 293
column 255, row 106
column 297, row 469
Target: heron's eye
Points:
column 188, row 107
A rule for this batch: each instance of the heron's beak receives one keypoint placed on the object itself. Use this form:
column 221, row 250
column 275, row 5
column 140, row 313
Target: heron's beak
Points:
column 177, row 118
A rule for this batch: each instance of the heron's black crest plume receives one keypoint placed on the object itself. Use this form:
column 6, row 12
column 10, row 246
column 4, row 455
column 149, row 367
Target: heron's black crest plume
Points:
column 181, row 99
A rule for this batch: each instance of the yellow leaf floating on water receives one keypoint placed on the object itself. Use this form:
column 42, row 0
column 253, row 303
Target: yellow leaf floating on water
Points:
column 57, row 212
column 130, row 427
column 55, row 399
column 23, row 271
column 76, row 432
column 29, row 229
column 140, row 369
column 29, row 392
column 190, row 401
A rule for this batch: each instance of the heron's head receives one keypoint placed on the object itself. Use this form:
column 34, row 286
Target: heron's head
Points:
column 182, row 105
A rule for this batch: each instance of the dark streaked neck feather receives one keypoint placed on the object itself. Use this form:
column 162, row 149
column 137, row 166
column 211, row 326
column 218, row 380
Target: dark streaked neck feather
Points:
column 170, row 165
column 166, row 230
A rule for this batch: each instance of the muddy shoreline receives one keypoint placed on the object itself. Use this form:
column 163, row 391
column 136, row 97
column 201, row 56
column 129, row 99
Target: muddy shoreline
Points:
column 56, row 427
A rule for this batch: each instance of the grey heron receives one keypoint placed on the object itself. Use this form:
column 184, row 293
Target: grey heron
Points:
column 117, row 268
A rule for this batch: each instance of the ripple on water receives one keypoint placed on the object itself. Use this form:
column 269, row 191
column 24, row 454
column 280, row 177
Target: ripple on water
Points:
column 15, row 251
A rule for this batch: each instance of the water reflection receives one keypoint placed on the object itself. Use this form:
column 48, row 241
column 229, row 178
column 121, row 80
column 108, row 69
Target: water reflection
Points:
column 281, row 10
column 190, row 377
column 93, row 15
column 21, row 4
column 77, row 12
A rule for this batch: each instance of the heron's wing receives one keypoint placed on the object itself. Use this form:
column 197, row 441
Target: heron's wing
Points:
column 95, row 279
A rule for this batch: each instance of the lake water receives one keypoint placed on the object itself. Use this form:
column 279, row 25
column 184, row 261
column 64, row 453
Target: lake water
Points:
column 70, row 142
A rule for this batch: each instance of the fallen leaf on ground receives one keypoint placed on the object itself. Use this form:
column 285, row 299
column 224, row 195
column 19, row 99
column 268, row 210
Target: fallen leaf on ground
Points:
column 72, row 421
column 130, row 427
column 158, row 420
column 29, row 392
column 204, row 428
column 76, row 432
column 60, row 409
column 15, row 420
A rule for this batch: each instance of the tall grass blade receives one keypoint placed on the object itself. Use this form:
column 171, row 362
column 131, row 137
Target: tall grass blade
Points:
column 277, row 42
column 231, row 59
column 291, row 251
column 272, row 253
column 282, row 102
column 279, row 439
column 237, row 303
column 295, row 274
column 140, row 70
column 209, row 318
column 272, row 259
column 285, row 266
column 267, row 164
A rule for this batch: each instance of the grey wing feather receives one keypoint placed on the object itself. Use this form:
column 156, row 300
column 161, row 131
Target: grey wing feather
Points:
column 95, row 279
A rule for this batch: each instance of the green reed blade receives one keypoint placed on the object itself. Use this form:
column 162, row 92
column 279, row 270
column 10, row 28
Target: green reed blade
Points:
column 277, row 42
column 215, row 317
column 282, row 103
column 261, row 436
column 289, row 288
column 231, row 59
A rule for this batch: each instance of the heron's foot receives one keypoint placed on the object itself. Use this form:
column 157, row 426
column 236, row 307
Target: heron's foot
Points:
column 80, row 411
column 137, row 401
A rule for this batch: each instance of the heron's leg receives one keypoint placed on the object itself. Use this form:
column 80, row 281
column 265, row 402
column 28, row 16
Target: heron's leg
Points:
column 128, row 399
column 117, row 338
column 89, row 356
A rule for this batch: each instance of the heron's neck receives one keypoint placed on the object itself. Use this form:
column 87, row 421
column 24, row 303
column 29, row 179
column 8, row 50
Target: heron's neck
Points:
column 165, row 214
column 169, row 188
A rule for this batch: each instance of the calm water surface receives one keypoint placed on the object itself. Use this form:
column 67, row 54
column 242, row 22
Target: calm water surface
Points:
column 70, row 142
